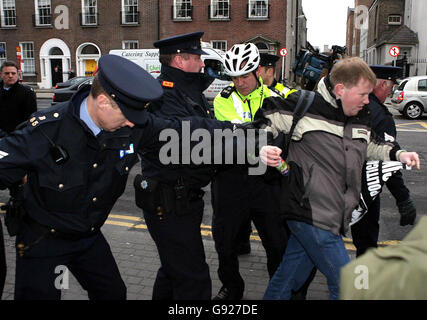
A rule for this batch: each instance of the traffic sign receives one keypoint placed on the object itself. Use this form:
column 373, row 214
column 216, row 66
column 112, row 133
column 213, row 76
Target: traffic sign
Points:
column 394, row 51
column 283, row 52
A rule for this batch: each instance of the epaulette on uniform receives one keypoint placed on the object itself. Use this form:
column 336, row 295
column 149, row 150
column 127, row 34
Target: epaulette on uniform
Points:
column 42, row 117
column 227, row 91
column 167, row 84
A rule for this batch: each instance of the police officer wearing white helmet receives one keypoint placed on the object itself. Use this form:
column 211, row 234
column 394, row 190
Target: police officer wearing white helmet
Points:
column 237, row 196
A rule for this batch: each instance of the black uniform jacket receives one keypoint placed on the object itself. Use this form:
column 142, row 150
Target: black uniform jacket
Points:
column 78, row 195
column 182, row 98
column 16, row 105
column 383, row 125
column 381, row 118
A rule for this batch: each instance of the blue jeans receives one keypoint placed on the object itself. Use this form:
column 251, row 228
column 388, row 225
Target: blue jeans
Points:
column 307, row 247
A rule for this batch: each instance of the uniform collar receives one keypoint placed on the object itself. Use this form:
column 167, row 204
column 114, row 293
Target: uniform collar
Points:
column 273, row 84
column 372, row 96
column 198, row 81
column 86, row 118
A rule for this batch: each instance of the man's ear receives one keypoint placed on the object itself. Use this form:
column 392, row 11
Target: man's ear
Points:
column 103, row 101
column 387, row 84
column 258, row 71
column 177, row 61
column 339, row 90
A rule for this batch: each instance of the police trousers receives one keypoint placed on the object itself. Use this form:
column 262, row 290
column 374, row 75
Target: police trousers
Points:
column 184, row 273
column 365, row 232
column 42, row 271
column 236, row 198
column 2, row 261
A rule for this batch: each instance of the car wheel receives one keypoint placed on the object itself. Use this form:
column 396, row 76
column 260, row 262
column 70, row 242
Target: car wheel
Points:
column 413, row 110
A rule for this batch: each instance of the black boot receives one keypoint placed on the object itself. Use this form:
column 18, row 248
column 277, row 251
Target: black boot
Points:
column 228, row 294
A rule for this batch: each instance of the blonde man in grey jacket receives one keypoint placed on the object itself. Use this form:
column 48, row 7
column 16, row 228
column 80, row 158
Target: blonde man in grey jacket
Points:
column 333, row 141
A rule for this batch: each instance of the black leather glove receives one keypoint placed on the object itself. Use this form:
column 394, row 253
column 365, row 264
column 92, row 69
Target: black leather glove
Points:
column 256, row 124
column 407, row 211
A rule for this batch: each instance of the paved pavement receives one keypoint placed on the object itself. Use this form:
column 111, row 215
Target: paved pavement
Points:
column 138, row 261
column 44, row 94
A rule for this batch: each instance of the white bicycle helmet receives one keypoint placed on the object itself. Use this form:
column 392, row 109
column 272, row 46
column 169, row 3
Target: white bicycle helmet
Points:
column 241, row 59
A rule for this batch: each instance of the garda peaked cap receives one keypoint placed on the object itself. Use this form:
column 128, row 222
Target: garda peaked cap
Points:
column 268, row 60
column 182, row 43
column 387, row 72
column 129, row 85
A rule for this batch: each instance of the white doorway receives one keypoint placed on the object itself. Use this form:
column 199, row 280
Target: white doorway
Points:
column 54, row 52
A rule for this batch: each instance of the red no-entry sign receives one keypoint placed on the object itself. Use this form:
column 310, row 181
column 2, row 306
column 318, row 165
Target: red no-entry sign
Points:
column 394, row 51
column 283, row 52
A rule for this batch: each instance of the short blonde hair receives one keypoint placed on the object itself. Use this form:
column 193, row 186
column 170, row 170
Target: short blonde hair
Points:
column 349, row 71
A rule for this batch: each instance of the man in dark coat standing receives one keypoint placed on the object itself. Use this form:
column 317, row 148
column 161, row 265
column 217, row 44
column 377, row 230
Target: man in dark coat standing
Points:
column 17, row 101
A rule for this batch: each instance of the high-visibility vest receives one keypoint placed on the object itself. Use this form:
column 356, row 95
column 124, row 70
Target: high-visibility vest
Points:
column 230, row 105
column 285, row 91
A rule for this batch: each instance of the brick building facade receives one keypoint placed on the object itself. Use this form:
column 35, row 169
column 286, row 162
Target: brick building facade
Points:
column 234, row 23
column 74, row 34
column 227, row 22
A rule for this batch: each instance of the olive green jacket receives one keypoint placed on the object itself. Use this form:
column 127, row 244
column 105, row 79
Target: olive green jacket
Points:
column 394, row 272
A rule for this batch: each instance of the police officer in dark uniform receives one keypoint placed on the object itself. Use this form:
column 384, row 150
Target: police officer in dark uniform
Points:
column 267, row 67
column 365, row 232
column 77, row 156
column 184, row 273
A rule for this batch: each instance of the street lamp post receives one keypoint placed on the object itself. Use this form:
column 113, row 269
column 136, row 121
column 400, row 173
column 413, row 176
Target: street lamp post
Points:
column 296, row 35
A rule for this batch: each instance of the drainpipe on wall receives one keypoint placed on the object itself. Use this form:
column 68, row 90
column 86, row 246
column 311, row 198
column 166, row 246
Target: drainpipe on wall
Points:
column 296, row 35
column 158, row 19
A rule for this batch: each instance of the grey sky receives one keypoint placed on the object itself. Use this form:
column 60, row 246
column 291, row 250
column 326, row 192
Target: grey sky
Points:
column 326, row 21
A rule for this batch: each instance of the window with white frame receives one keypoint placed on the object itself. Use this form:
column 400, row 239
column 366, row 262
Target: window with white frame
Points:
column 3, row 55
column 182, row 9
column 395, row 19
column 130, row 44
column 27, row 49
column 130, row 12
column 258, row 9
column 219, row 44
column 220, row 9
column 8, row 13
column 43, row 12
column 90, row 12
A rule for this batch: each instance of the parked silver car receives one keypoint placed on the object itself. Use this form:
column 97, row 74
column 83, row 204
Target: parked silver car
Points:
column 410, row 98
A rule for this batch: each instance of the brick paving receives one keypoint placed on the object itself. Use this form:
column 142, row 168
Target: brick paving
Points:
column 137, row 258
